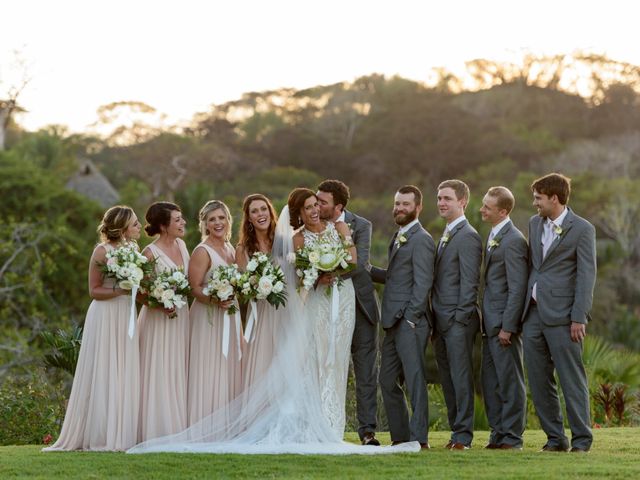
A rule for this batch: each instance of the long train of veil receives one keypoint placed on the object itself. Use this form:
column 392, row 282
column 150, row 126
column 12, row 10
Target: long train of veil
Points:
column 281, row 412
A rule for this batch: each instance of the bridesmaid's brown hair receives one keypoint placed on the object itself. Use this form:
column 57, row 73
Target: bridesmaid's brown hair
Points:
column 248, row 238
column 159, row 214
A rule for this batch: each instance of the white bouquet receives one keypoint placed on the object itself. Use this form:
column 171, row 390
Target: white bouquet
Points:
column 323, row 256
column 262, row 281
column 222, row 285
column 168, row 289
column 127, row 266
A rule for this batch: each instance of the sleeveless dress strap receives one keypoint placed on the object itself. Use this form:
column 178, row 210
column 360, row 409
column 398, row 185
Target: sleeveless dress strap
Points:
column 210, row 251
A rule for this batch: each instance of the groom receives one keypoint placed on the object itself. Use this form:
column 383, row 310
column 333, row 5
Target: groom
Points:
column 406, row 319
column 333, row 196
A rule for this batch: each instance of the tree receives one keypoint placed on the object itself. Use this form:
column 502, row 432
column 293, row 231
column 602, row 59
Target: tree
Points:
column 9, row 101
column 46, row 237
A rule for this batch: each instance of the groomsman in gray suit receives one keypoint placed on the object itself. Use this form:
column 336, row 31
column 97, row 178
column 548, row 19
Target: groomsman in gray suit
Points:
column 455, row 307
column 406, row 319
column 333, row 196
column 506, row 270
column 562, row 253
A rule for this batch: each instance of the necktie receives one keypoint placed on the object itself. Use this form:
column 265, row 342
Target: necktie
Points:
column 491, row 236
column 445, row 234
column 548, row 237
column 396, row 238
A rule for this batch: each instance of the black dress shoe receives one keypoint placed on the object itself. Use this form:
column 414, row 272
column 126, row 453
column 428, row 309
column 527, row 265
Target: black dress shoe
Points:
column 492, row 446
column 398, row 442
column 579, row 450
column 370, row 439
column 553, row 448
column 425, row 446
column 506, row 446
column 459, row 446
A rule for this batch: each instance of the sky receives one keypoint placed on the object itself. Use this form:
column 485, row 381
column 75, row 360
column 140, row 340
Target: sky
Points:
column 182, row 56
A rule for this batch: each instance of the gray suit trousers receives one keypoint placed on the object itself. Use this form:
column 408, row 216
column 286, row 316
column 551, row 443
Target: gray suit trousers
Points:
column 403, row 350
column 365, row 368
column 545, row 347
column 504, row 391
column 454, row 354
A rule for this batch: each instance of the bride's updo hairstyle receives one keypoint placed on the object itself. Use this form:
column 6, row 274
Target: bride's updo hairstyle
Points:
column 159, row 214
column 209, row 207
column 296, row 203
column 114, row 223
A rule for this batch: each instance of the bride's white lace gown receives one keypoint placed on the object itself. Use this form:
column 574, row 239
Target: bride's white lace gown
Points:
column 332, row 333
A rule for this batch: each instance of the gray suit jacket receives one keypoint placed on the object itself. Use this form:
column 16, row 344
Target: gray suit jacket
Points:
column 408, row 279
column 567, row 275
column 457, row 278
column 506, row 270
column 365, row 293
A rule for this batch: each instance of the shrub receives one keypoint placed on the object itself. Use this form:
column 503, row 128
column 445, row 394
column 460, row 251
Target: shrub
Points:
column 65, row 348
column 30, row 410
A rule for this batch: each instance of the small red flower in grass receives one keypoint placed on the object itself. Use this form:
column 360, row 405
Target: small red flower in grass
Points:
column 47, row 439
column 597, row 425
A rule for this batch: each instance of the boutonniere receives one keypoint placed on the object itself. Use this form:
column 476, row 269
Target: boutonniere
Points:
column 401, row 239
column 557, row 229
column 494, row 243
column 445, row 239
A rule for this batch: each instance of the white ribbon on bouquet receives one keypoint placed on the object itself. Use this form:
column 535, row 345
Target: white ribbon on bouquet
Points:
column 252, row 320
column 333, row 324
column 133, row 314
column 226, row 325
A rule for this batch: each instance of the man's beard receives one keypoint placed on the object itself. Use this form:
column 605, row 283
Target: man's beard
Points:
column 405, row 219
column 325, row 217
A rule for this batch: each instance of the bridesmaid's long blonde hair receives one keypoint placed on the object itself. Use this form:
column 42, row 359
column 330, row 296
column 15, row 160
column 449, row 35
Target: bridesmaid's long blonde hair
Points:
column 114, row 223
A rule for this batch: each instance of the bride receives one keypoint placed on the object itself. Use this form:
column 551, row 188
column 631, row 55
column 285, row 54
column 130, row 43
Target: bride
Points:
column 332, row 312
column 297, row 406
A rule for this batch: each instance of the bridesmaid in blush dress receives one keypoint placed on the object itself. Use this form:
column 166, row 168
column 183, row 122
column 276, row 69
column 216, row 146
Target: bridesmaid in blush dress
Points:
column 214, row 378
column 257, row 231
column 164, row 341
column 102, row 413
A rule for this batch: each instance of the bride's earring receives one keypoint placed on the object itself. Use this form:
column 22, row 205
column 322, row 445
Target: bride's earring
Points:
column 251, row 227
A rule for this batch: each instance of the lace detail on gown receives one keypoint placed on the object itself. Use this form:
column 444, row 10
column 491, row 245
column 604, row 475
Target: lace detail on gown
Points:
column 332, row 351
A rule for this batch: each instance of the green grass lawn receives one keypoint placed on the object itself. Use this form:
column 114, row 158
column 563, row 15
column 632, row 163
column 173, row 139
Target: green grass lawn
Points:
column 615, row 454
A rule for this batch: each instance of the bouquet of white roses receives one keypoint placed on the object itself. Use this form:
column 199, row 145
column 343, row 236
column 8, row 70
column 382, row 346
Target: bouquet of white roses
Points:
column 168, row 289
column 323, row 256
column 262, row 281
column 127, row 266
column 222, row 285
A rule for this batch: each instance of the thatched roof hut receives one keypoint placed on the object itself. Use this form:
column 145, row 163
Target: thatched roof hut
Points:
column 91, row 183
